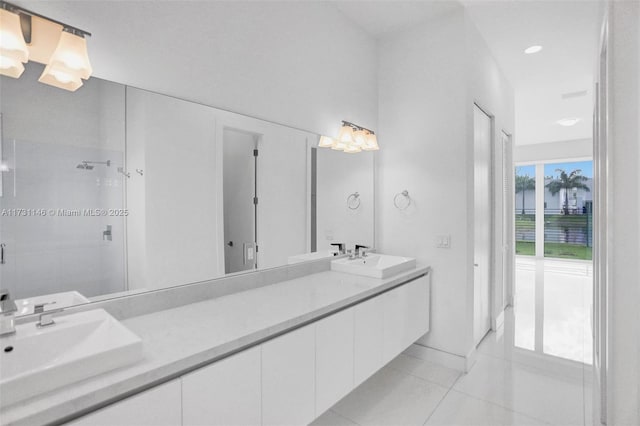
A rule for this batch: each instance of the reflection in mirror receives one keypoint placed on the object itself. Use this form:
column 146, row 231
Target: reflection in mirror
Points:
column 112, row 189
column 61, row 152
column 343, row 200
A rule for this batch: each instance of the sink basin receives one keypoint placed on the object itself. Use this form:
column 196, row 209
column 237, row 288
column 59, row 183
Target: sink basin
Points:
column 322, row 254
column 54, row 301
column 78, row 346
column 374, row 265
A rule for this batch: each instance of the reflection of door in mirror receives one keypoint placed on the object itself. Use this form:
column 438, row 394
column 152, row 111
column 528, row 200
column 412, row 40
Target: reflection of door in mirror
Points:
column 62, row 192
column 240, row 151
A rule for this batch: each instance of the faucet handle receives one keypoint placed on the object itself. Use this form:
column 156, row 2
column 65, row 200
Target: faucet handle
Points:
column 39, row 307
column 46, row 318
column 7, row 305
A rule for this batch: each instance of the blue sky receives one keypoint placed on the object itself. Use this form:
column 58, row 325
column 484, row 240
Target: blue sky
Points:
column 550, row 169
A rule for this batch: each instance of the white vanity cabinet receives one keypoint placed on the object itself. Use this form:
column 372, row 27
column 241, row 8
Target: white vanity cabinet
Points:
column 368, row 339
column 334, row 358
column 405, row 316
column 159, row 406
column 288, row 378
column 227, row 392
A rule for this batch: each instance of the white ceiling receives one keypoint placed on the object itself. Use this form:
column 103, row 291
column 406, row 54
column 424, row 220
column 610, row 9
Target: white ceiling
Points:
column 567, row 30
column 381, row 17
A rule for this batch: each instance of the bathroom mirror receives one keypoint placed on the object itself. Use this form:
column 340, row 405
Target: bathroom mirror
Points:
column 113, row 189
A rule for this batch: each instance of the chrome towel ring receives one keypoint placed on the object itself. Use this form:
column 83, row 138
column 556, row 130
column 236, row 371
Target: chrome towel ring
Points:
column 402, row 200
column 353, row 201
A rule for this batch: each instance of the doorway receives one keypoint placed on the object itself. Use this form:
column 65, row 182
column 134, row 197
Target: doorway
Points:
column 240, row 152
column 483, row 127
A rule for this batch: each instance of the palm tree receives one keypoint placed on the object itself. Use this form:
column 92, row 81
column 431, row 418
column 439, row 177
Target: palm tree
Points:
column 567, row 181
column 524, row 183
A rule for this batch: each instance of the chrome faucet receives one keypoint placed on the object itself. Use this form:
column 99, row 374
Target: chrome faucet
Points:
column 361, row 251
column 8, row 311
column 340, row 247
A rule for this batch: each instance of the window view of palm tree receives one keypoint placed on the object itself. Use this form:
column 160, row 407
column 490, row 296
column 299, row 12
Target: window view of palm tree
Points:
column 525, row 186
column 568, row 210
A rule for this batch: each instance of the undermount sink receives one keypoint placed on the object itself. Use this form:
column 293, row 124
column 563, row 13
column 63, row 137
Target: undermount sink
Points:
column 52, row 301
column 374, row 265
column 78, row 346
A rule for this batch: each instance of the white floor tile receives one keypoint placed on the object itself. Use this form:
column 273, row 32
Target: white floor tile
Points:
column 391, row 397
column 458, row 409
column 426, row 370
column 331, row 418
column 524, row 389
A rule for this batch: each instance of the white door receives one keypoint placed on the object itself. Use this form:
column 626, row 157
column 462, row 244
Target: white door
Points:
column 482, row 223
column 239, row 192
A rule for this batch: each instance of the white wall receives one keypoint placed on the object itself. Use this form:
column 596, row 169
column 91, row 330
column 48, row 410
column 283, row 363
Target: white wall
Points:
column 177, row 201
column 338, row 176
column 552, row 151
column 429, row 77
column 623, row 284
column 302, row 64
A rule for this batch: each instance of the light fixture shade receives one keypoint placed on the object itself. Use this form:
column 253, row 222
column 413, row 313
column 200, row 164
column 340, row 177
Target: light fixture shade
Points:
column 13, row 49
column 359, row 138
column 60, row 78
column 345, row 135
column 69, row 63
column 339, row 146
column 351, row 149
column 326, row 142
column 372, row 143
column 10, row 67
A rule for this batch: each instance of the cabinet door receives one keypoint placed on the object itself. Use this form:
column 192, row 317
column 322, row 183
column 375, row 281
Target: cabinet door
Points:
column 406, row 316
column 159, row 406
column 224, row 393
column 419, row 307
column 368, row 339
column 334, row 359
column 288, row 378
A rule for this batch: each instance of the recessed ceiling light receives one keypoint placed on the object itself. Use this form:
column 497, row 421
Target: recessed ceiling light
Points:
column 567, row 122
column 532, row 49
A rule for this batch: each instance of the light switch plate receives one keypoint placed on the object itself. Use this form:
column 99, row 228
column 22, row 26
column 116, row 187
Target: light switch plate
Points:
column 443, row 241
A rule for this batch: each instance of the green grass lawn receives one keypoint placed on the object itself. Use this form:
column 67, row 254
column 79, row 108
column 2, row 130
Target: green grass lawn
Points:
column 558, row 250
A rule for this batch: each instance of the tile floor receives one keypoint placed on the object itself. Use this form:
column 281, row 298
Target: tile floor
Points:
column 515, row 380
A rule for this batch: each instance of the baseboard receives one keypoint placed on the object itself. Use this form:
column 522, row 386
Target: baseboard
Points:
column 449, row 360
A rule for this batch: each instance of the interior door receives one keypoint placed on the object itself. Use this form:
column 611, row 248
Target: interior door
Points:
column 482, row 222
column 239, row 188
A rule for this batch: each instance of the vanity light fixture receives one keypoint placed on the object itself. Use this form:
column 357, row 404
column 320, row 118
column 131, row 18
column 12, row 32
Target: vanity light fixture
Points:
column 351, row 139
column 66, row 59
column 13, row 48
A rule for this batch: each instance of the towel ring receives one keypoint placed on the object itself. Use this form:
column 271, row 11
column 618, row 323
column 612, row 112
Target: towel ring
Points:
column 353, row 201
column 402, row 200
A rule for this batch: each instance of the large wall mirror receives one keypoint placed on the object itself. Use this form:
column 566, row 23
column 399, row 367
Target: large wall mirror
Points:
column 112, row 189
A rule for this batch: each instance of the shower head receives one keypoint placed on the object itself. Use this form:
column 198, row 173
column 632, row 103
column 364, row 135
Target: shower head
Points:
column 84, row 166
column 88, row 165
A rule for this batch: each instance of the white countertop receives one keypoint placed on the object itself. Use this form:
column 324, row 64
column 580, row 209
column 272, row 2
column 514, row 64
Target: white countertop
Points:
column 182, row 339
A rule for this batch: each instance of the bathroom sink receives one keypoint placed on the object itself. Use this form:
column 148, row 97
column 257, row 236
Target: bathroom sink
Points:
column 374, row 265
column 51, row 301
column 78, row 346
column 322, row 254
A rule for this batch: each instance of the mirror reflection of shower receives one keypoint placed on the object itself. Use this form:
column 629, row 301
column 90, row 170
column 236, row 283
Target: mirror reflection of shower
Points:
column 89, row 165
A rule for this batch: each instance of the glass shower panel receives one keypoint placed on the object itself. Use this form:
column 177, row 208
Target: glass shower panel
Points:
column 62, row 219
